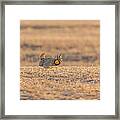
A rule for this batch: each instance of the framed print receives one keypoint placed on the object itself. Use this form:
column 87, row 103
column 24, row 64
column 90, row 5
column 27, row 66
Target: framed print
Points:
column 60, row 59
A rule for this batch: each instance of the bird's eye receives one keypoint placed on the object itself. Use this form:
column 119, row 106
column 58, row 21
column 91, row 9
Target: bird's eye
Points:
column 60, row 56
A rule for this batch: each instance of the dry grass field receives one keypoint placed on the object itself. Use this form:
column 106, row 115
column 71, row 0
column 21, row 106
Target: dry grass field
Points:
column 78, row 76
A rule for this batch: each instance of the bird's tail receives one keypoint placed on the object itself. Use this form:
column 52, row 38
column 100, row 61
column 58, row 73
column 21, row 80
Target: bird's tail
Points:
column 42, row 55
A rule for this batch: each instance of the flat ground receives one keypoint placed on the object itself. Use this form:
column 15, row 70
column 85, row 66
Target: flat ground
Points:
column 76, row 82
column 78, row 76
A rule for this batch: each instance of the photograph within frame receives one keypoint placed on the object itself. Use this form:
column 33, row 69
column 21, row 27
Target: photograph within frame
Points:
column 59, row 59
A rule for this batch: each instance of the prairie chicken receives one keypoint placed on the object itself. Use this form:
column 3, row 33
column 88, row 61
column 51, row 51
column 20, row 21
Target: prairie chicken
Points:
column 50, row 61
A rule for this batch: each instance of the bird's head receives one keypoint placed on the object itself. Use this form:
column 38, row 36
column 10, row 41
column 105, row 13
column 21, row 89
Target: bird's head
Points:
column 58, row 59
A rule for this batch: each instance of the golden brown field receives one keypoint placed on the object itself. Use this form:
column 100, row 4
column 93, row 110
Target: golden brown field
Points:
column 78, row 75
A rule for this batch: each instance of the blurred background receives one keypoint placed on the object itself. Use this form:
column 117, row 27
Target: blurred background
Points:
column 77, row 40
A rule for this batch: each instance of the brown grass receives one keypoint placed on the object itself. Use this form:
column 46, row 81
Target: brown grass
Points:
column 65, row 82
column 78, row 75
column 71, row 38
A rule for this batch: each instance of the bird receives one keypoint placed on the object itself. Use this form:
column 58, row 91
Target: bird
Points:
column 46, row 62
